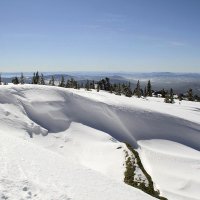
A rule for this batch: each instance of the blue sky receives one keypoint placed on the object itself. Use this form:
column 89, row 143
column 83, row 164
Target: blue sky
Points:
column 100, row 35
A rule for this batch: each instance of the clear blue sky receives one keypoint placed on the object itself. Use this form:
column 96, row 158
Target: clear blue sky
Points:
column 100, row 35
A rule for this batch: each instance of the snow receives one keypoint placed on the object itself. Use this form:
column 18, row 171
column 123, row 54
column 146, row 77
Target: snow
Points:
column 29, row 171
column 174, row 167
column 73, row 149
column 89, row 147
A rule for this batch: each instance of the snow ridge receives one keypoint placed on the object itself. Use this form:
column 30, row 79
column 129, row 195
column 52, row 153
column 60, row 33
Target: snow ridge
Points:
column 79, row 127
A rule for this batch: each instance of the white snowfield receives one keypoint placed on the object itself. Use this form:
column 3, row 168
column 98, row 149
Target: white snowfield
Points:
column 58, row 143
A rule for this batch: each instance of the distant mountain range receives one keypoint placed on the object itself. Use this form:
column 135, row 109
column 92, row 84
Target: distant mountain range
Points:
column 180, row 82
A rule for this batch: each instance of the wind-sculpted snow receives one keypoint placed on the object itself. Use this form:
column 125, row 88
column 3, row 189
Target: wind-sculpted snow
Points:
column 62, row 121
column 55, row 108
column 175, row 168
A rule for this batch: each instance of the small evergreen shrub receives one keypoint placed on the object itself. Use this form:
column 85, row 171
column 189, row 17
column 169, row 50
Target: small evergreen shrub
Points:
column 130, row 173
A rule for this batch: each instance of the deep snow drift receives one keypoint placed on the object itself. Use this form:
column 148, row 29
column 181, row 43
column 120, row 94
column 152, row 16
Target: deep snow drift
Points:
column 59, row 143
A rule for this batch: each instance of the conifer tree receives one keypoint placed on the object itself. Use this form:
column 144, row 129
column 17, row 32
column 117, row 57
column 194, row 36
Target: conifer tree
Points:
column 171, row 96
column 111, row 89
column 107, row 84
column 72, row 83
column 52, row 81
column 67, row 85
column 37, row 78
column 87, row 85
column 42, row 82
column 167, row 97
column 98, row 87
column 127, row 90
column 93, row 85
column 180, row 97
column 149, row 90
column 15, row 80
column 138, row 90
column 75, row 85
column 145, row 91
column 190, row 95
column 102, row 83
column 118, row 92
column 62, row 82
column 22, row 80
column 163, row 93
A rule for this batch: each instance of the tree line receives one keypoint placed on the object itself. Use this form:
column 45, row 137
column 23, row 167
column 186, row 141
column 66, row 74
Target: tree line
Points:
column 106, row 85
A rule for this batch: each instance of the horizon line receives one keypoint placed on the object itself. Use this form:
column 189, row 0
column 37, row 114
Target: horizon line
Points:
column 90, row 71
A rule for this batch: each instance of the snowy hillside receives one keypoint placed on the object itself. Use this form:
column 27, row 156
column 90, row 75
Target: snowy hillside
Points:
column 58, row 143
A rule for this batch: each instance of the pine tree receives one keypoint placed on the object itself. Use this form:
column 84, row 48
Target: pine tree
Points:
column 118, row 90
column 93, row 85
column 145, row 91
column 15, row 80
column 100, row 83
column 190, row 95
column 171, row 96
column 0, row 79
column 67, row 85
column 72, row 83
column 138, row 90
column 180, row 97
column 107, row 84
column 75, row 85
column 167, row 97
column 42, row 82
column 87, row 85
column 52, row 81
column 37, row 78
column 149, row 90
column 127, row 90
column 98, row 87
column 163, row 93
column 62, row 82
column 33, row 78
column 21, row 80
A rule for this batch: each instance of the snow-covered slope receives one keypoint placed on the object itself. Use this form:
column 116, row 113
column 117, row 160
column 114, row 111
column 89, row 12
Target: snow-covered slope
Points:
column 29, row 171
column 61, row 143
column 174, row 167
